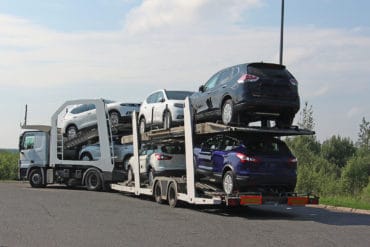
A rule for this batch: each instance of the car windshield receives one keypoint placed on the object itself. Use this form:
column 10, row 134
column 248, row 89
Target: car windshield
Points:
column 267, row 147
column 178, row 95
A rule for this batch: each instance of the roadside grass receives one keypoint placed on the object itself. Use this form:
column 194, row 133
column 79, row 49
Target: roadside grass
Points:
column 349, row 202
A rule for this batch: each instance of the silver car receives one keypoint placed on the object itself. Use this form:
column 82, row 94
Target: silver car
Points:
column 122, row 153
column 84, row 116
column 162, row 159
column 162, row 108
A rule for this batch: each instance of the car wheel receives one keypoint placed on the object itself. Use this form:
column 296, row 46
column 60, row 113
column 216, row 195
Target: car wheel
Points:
column 93, row 181
column 125, row 162
column 157, row 192
column 172, row 195
column 86, row 157
column 71, row 131
column 227, row 113
column 228, row 182
column 36, row 179
column 167, row 120
column 284, row 122
column 142, row 125
column 114, row 118
column 151, row 177
column 130, row 174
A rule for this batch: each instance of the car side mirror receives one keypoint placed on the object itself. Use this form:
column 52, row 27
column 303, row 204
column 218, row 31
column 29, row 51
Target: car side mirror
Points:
column 162, row 100
column 201, row 89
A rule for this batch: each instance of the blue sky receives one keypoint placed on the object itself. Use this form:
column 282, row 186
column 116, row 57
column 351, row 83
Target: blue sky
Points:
column 53, row 51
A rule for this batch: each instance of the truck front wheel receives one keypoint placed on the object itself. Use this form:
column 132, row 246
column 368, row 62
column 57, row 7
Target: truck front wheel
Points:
column 35, row 178
column 93, row 180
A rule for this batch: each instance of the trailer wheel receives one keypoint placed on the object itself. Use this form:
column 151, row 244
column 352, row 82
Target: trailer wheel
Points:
column 172, row 195
column 158, row 192
column 93, row 181
column 35, row 178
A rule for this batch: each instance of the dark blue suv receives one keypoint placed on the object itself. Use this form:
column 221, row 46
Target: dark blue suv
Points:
column 246, row 163
column 247, row 93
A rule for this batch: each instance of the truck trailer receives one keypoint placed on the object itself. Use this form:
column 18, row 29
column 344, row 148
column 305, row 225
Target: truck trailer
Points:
column 188, row 188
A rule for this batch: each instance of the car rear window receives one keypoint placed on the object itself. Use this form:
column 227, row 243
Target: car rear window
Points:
column 178, row 95
column 173, row 149
column 269, row 71
column 267, row 147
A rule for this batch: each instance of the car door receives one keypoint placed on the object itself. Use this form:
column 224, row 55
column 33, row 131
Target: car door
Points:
column 219, row 90
column 158, row 108
column 204, row 161
column 203, row 103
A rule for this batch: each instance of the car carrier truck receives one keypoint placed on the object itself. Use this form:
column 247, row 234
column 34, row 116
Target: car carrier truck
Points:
column 48, row 156
column 189, row 189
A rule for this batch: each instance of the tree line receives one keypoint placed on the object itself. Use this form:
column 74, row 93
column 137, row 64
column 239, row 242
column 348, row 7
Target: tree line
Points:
column 8, row 165
column 337, row 166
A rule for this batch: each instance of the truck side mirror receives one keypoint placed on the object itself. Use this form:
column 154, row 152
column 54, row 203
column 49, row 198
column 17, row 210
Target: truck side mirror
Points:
column 201, row 89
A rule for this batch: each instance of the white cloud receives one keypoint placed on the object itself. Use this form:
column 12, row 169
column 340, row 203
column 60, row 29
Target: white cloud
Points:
column 159, row 14
column 354, row 112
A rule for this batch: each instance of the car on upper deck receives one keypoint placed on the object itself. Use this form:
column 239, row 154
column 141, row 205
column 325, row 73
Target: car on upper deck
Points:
column 162, row 108
column 247, row 93
column 84, row 116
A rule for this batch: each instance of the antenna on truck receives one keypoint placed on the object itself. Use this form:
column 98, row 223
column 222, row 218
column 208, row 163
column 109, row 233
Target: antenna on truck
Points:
column 25, row 116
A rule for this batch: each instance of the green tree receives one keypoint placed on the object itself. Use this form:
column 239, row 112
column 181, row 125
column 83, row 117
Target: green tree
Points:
column 364, row 135
column 338, row 150
column 306, row 120
column 8, row 165
column 355, row 175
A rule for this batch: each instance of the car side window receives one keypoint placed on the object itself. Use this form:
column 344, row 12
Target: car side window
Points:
column 224, row 77
column 160, row 97
column 151, row 99
column 211, row 83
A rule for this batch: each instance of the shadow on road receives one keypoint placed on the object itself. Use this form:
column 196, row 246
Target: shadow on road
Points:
column 280, row 212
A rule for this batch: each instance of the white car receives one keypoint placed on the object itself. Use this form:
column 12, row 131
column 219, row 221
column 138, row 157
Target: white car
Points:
column 84, row 116
column 122, row 153
column 163, row 159
column 162, row 108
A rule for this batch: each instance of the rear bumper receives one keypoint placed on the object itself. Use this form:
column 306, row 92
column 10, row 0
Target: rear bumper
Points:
column 255, row 106
column 170, row 173
column 278, row 181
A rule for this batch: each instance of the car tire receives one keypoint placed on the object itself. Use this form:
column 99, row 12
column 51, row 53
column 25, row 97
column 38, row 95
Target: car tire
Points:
column 142, row 125
column 167, row 120
column 284, row 122
column 86, row 157
column 227, row 112
column 228, row 182
column 172, row 195
column 93, row 180
column 157, row 192
column 151, row 177
column 130, row 174
column 125, row 162
column 114, row 118
column 71, row 131
column 35, row 178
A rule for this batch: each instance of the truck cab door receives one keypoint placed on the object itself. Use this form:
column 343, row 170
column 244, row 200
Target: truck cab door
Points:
column 33, row 149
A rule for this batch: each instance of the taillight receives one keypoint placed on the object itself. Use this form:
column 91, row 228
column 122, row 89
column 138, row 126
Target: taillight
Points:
column 245, row 158
column 248, row 78
column 162, row 157
column 293, row 81
column 292, row 161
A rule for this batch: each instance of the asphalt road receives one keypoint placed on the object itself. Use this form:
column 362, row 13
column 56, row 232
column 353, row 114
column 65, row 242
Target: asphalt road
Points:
column 56, row 216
